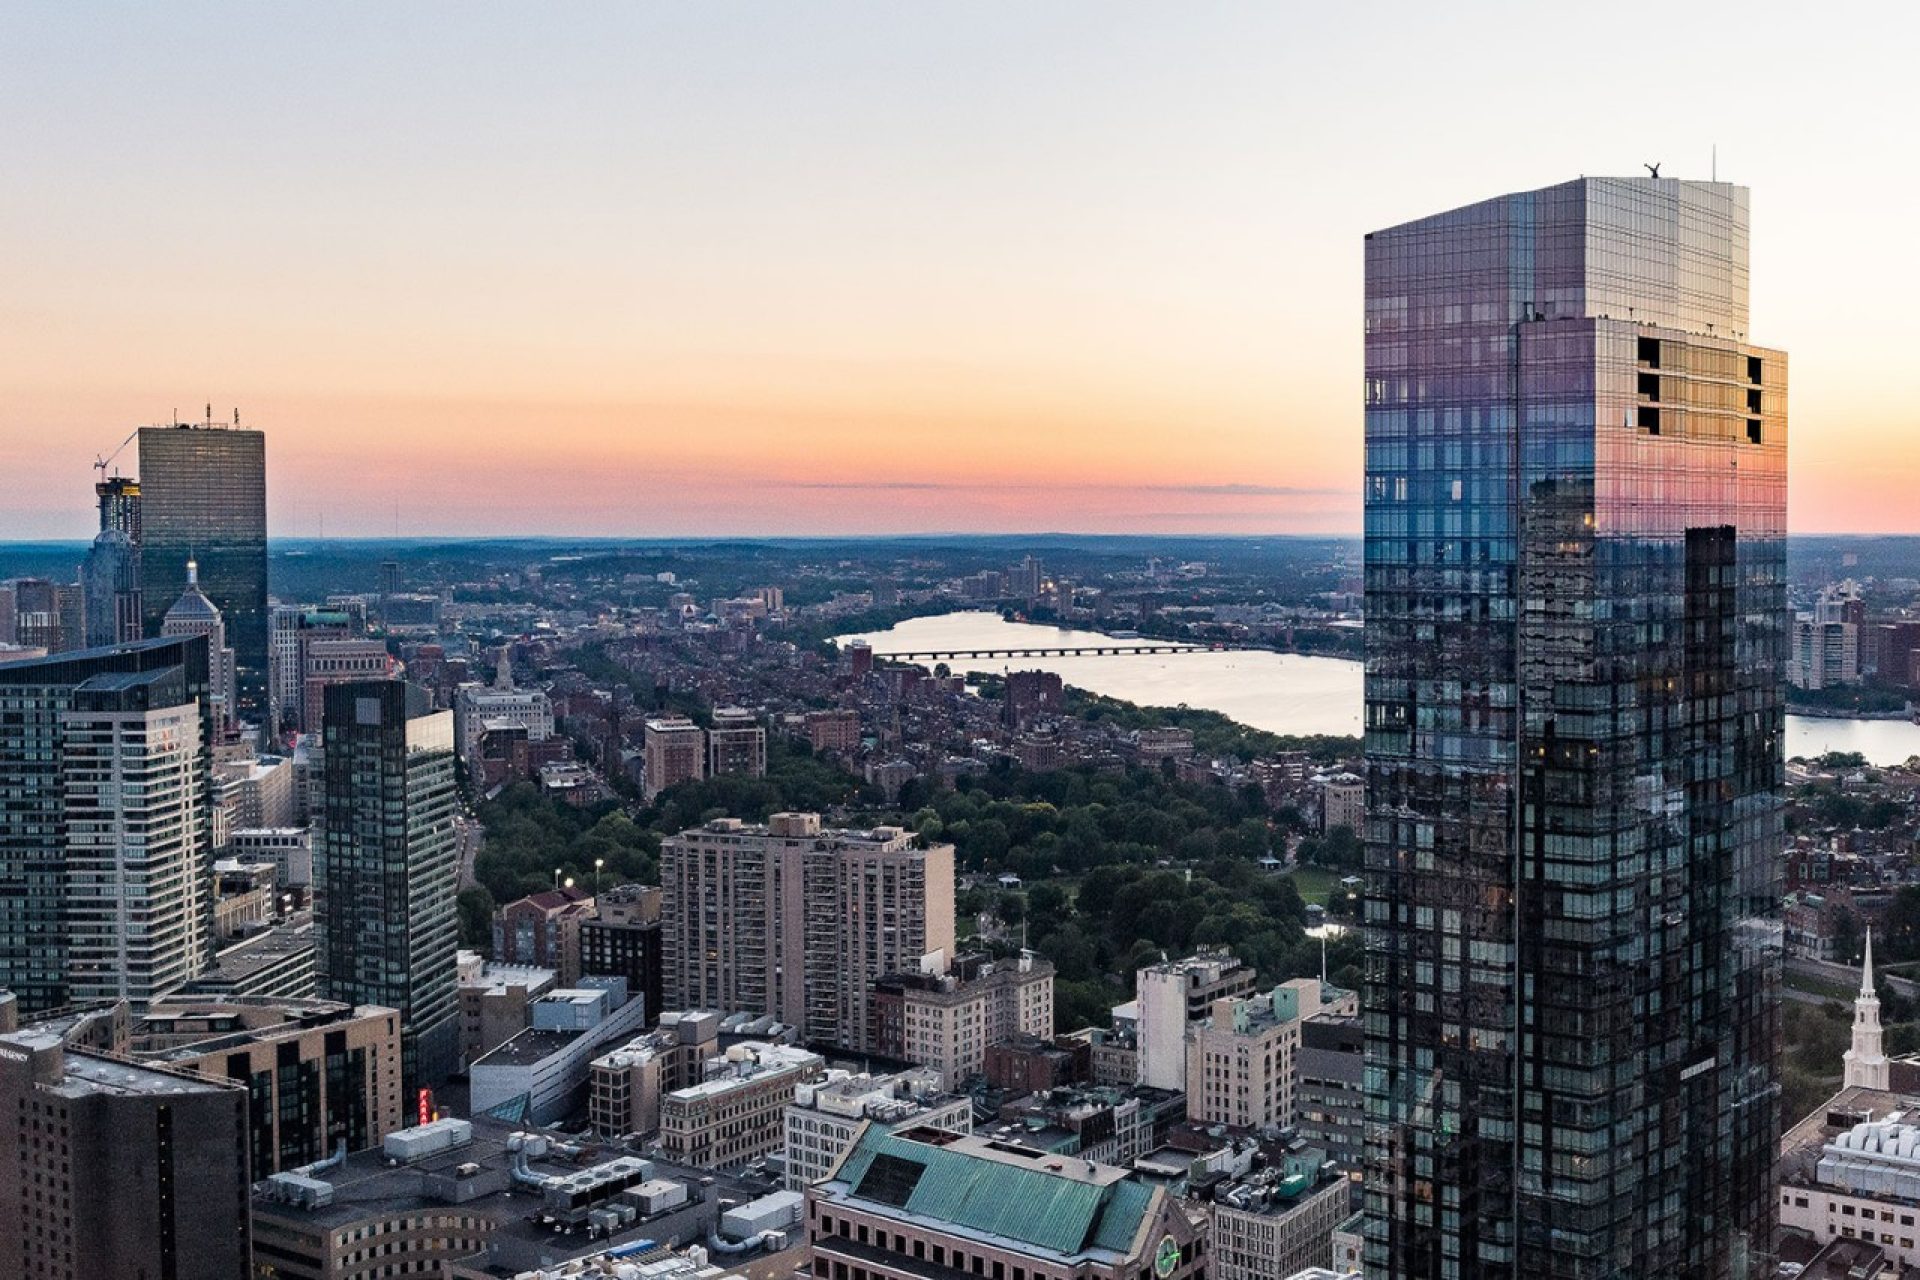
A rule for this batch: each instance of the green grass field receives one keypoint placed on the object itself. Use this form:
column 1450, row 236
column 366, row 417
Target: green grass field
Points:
column 1315, row 884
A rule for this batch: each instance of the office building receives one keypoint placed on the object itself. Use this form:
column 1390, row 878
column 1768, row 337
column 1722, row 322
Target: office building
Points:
column 203, row 497
column 1576, row 642
column 1823, row 654
column 138, row 886
column 737, row 1113
column 1172, row 996
column 36, row 613
column 949, row 1020
column 1277, row 1220
column 331, row 660
column 542, row 1073
column 674, row 750
column 625, row 1087
column 195, row 615
column 384, row 871
column 110, row 586
column 320, row 1077
column 794, row 920
column 478, row 708
column 622, row 940
column 827, row 1115
column 289, row 849
column 291, row 629
column 1243, row 1059
column 495, row 1001
column 736, row 743
column 113, row 1170
column 918, row 1202
column 36, row 810
column 1330, row 1099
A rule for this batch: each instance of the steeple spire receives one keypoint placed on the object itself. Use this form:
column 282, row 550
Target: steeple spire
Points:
column 1866, row 1061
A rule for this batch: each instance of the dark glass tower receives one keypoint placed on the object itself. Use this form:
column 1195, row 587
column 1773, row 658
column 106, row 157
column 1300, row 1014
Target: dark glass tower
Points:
column 384, row 870
column 203, row 497
column 1576, row 626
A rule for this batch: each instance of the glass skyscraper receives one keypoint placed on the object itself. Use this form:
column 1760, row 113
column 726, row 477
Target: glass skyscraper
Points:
column 1576, row 637
column 203, row 497
column 385, row 867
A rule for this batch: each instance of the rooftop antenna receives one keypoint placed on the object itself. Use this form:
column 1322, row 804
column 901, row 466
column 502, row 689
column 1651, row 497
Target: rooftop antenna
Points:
column 1716, row 162
column 1653, row 168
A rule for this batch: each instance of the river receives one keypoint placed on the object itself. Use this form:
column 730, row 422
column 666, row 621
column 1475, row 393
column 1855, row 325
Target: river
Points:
column 1279, row 692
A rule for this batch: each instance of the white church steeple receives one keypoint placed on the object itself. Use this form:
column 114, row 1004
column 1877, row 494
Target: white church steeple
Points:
column 1866, row 1063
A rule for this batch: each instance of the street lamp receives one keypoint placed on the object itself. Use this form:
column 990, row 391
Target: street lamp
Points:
column 598, row 864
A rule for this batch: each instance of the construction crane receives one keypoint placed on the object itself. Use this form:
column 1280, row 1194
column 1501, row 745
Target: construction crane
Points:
column 100, row 463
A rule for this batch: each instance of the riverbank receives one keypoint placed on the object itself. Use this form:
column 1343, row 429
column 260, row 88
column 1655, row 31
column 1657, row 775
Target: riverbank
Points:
column 1290, row 694
column 1841, row 713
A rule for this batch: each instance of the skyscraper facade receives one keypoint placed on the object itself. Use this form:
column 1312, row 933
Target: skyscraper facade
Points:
column 74, row 832
column 1576, row 636
column 384, row 871
column 110, row 586
column 138, row 869
column 203, row 497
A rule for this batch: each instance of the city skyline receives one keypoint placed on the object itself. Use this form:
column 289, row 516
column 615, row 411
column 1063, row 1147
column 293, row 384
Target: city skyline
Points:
column 1089, row 269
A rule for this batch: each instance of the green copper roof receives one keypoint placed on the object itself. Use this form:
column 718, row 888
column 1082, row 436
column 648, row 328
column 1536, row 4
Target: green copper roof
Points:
column 1048, row 1210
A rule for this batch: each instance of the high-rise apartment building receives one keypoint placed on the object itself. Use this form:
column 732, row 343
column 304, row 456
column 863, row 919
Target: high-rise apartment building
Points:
column 203, row 497
column 736, row 743
column 114, row 1170
column 133, row 767
column 44, row 808
column 1576, row 637
column 795, row 921
column 384, row 872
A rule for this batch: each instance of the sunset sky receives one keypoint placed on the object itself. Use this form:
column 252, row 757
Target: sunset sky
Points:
column 711, row 268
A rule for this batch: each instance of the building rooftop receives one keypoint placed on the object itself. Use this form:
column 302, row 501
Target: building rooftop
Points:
column 1058, row 1206
column 527, row 1048
column 746, row 1062
column 85, row 1074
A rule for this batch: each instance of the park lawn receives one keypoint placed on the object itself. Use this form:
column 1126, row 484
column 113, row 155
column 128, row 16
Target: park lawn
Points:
column 1315, row 884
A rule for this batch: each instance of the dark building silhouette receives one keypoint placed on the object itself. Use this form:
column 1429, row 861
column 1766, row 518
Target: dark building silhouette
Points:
column 203, row 497
column 384, row 874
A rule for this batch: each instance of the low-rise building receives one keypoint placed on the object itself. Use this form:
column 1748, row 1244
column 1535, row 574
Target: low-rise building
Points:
column 1279, row 1219
column 738, row 1112
column 542, row 1072
column 826, row 1116
column 494, row 1000
column 543, row 930
column 626, row 1085
column 918, row 1202
column 1242, row 1061
column 948, row 1020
